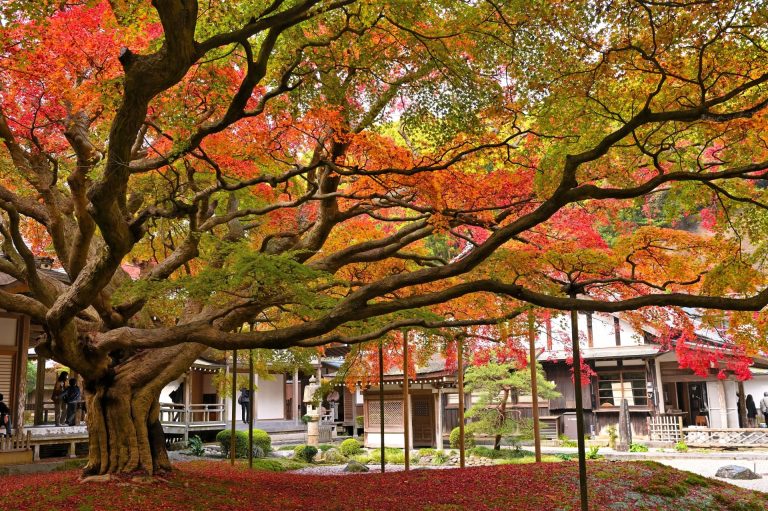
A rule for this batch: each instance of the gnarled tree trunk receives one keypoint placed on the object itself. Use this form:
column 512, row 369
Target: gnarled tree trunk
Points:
column 123, row 416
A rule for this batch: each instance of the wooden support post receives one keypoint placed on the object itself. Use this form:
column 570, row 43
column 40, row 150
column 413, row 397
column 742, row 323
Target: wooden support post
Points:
column 296, row 397
column 534, row 385
column 406, row 405
column 460, row 363
column 39, row 389
column 251, row 399
column 579, row 406
column 381, row 401
column 742, row 406
column 232, row 444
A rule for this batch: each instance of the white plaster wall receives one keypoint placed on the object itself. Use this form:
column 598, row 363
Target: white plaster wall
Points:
column 270, row 398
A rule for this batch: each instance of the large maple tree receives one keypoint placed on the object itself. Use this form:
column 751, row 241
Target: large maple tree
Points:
column 331, row 171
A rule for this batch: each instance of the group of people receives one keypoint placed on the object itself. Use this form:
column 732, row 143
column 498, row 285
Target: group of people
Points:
column 752, row 409
column 66, row 399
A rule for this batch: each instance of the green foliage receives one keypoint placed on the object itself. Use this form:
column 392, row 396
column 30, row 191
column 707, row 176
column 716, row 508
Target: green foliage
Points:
column 469, row 438
column 495, row 454
column 261, row 440
column 440, row 457
column 496, row 384
column 305, row 453
column 592, row 453
column 567, row 442
column 613, row 435
column 391, row 455
column 241, row 443
column 31, row 376
column 360, row 420
column 350, row 447
column 324, row 447
column 196, row 446
column 681, row 446
column 277, row 464
column 306, row 419
column 636, row 447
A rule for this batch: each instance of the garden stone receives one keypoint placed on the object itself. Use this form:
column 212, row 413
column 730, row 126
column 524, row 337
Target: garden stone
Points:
column 355, row 467
column 736, row 472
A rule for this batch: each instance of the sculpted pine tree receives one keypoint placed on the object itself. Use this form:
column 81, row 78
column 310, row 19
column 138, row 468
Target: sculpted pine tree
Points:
column 330, row 171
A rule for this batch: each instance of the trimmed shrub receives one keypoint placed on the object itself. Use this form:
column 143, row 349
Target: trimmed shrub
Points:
column 469, row 439
column 241, row 442
column 262, row 444
column 350, row 447
column 262, row 440
column 305, row 452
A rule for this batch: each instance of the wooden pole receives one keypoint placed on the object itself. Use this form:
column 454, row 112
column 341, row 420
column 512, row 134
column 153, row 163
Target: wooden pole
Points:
column 579, row 406
column 250, row 407
column 381, row 402
column 534, row 385
column 232, row 447
column 406, row 405
column 460, row 363
column 39, row 388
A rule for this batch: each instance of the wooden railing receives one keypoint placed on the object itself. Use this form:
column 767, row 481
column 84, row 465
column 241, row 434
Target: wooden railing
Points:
column 726, row 437
column 665, row 428
column 173, row 413
column 15, row 442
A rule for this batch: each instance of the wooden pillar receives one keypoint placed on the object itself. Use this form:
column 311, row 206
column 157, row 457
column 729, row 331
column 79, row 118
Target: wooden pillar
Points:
column 406, row 406
column 439, row 433
column 251, row 399
column 381, row 402
column 742, row 406
column 17, row 415
column 460, row 364
column 534, row 385
column 232, row 446
column 296, row 396
column 579, row 406
column 39, row 392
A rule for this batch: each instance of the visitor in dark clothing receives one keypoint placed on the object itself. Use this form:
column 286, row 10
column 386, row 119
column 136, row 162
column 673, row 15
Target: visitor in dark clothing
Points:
column 71, row 396
column 5, row 417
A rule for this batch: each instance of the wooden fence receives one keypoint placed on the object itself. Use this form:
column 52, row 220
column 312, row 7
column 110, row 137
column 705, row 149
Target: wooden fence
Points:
column 665, row 428
column 15, row 442
column 726, row 437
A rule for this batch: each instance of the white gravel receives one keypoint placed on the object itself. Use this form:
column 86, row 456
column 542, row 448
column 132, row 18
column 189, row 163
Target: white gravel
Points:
column 708, row 467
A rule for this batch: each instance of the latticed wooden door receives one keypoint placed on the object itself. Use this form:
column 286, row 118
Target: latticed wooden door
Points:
column 422, row 420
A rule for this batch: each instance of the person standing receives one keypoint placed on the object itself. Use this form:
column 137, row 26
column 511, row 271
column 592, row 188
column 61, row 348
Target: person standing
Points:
column 71, row 397
column 5, row 417
column 245, row 402
column 751, row 412
column 59, row 406
column 764, row 407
